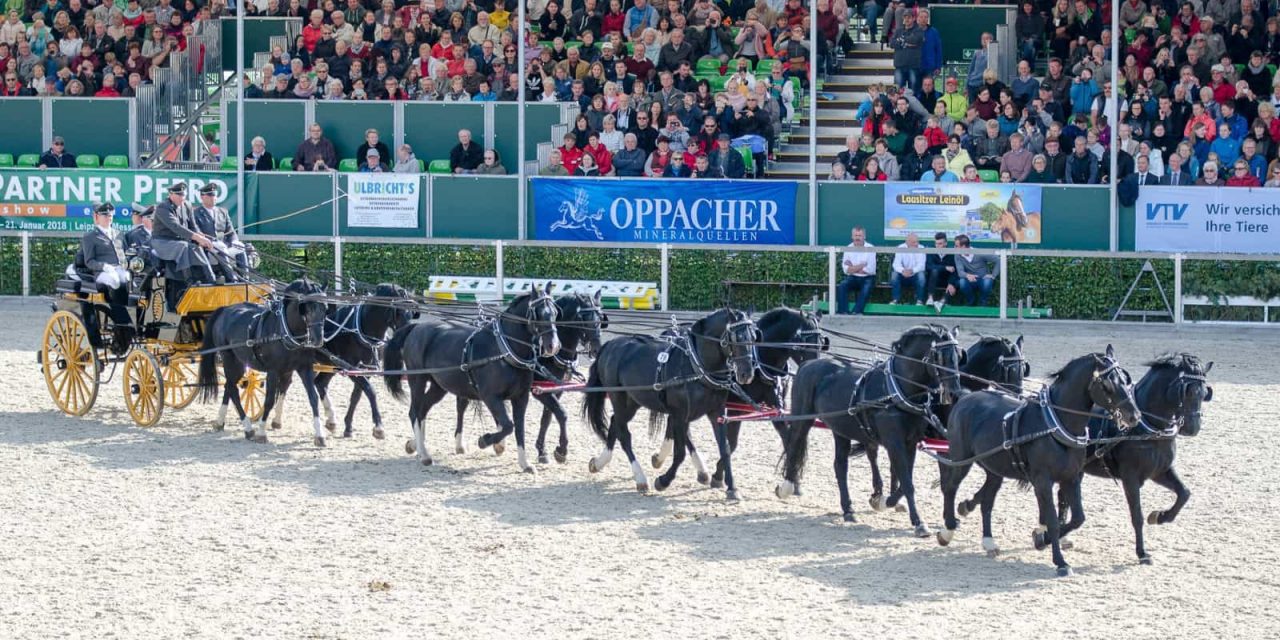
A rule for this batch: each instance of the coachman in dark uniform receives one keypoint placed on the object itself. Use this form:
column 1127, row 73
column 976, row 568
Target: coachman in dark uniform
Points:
column 214, row 222
column 179, row 244
column 100, row 260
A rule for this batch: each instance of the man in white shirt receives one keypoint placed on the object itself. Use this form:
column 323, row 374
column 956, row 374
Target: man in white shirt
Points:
column 908, row 268
column 859, row 268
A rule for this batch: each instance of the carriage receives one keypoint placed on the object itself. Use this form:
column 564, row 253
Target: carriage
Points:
column 79, row 350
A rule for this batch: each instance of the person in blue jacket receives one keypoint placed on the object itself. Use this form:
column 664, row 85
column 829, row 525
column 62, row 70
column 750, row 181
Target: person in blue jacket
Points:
column 931, row 55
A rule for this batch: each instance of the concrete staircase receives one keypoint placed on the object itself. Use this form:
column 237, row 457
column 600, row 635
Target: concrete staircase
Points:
column 867, row 65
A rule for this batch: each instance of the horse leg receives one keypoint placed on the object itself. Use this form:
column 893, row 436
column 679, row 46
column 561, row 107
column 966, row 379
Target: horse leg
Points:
column 842, row 476
column 724, row 467
column 363, row 383
column 232, row 371
column 498, row 409
column 308, row 376
column 423, row 399
column 1133, row 495
column 664, row 452
column 731, row 432
column 950, row 479
column 322, row 387
column 1170, row 480
column 519, row 405
column 699, row 464
column 562, row 452
column 989, row 489
column 278, row 419
column 680, row 430
column 877, row 500
column 902, row 461
column 544, row 422
column 1071, row 491
column 460, row 410
column 358, row 386
column 269, row 398
column 623, row 410
column 1049, row 530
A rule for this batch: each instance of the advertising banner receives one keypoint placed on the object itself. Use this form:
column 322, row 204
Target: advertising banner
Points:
column 63, row 199
column 676, row 211
column 384, row 200
column 984, row 211
column 1207, row 219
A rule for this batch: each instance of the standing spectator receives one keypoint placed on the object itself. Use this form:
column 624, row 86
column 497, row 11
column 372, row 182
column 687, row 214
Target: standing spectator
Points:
column 371, row 141
column 909, row 268
column 931, row 49
column 1030, row 29
column 907, row 44
column 1082, row 165
column 977, row 66
column 859, row 268
column 56, row 157
column 975, row 273
column 405, row 160
column 316, row 153
column 638, row 18
column 258, row 158
column 466, row 155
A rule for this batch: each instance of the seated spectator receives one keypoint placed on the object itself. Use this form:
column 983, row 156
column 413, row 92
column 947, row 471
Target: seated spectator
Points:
column 1082, row 165
column 371, row 141
column 587, row 167
column 856, row 152
column 940, row 272
column 570, row 153
column 990, row 146
column 702, row 168
column 678, row 167
column 916, row 162
column 1242, row 177
column 871, row 171
column 373, row 162
column 938, row 172
column 909, row 268
column 1017, row 160
column 1225, row 145
column 975, row 273
column 56, row 157
column 970, row 174
column 858, row 265
column 406, row 162
column 258, row 158
column 491, row 165
column 838, row 173
column 1040, row 173
column 466, row 155
column 629, row 162
column 602, row 156
column 727, row 160
column 955, row 155
column 316, row 153
column 554, row 166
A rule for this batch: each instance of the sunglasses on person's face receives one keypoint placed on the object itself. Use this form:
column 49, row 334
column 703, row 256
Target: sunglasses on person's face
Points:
column 1242, row 168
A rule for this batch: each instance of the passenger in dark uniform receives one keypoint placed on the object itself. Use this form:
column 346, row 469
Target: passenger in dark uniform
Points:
column 179, row 245
column 214, row 222
column 138, row 239
column 100, row 260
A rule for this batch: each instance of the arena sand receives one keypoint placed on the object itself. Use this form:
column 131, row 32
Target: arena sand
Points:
column 108, row 530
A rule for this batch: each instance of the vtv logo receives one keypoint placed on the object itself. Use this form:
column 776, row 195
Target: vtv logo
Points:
column 1166, row 211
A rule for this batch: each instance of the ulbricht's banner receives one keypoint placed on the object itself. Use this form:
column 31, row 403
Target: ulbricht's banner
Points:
column 676, row 211
column 384, row 200
column 1207, row 219
column 63, row 199
column 986, row 212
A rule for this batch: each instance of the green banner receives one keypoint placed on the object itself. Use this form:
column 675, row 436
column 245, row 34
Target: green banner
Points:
column 63, row 200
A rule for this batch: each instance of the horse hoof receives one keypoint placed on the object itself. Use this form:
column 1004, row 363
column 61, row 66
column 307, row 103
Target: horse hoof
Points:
column 248, row 435
column 877, row 502
column 1153, row 517
column 656, row 460
column 1065, row 572
column 660, row 484
column 732, row 495
column 528, row 470
column 848, row 517
column 796, row 492
column 922, row 530
column 426, row 462
column 642, row 487
column 963, row 509
column 319, row 442
column 275, row 426
column 410, row 447
column 901, row 508
column 378, row 433
column 1146, row 560
column 331, row 426
column 561, row 455
column 543, row 459
column 717, row 482
column 1039, row 540
column 498, row 448
column 347, row 433
column 993, row 553
column 704, row 479
column 480, row 443
column 591, row 466
column 785, row 489
column 219, row 427
column 945, row 536
column 459, row 449
column 260, row 438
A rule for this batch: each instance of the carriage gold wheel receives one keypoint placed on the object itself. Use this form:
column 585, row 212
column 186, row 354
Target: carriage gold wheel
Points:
column 143, row 387
column 70, row 364
column 253, row 390
column 180, row 381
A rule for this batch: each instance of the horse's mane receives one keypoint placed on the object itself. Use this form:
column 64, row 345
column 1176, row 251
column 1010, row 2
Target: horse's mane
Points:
column 1177, row 362
column 1054, row 375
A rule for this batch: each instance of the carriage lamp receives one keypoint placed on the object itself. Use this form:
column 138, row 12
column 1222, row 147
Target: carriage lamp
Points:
column 254, row 261
column 136, row 265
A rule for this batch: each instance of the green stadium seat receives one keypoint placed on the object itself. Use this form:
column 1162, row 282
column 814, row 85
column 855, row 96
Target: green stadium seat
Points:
column 717, row 83
column 228, row 164
column 569, row 44
column 765, row 67
column 989, row 175
column 286, row 163
column 707, row 66
column 115, row 162
column 88, row 161
column 422, row 166
column 29, row 160
column 748, row 160
column 348, row 165
column 6, row 159
column 439, row 167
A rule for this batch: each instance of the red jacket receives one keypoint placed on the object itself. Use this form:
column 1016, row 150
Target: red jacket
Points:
column 604, row 159
column 570, row 157
column 879, row 177
column 1249, row 180
column 310, row 36
column 1224, row 93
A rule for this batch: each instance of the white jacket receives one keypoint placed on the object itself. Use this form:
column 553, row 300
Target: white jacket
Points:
column 912, row 261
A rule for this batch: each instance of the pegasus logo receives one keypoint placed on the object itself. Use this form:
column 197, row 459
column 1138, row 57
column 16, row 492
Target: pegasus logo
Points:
column 577, row 215
column 1167, row 211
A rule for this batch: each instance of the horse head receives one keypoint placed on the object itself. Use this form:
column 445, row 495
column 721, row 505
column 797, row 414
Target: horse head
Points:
column 931, row 359
column 393, row 312
column 304, row 312
column 1173, row 390
column 1108, row 385
column 998, row 360
column 537, row 310
column 579, row 319
column 728, row 336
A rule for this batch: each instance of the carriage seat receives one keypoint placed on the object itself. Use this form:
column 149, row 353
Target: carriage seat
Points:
column 73, row 284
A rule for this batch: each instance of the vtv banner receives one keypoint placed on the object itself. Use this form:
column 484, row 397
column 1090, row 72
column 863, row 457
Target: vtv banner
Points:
column 1207, row 219
column 676, row 211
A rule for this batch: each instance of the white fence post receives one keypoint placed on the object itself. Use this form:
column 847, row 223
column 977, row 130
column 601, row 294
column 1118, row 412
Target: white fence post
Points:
column 664, row 290
column 337, row 264
column 831, row 281
column 1004, row 284
column 26, row 264
column 498, row 270
column 1177, row 288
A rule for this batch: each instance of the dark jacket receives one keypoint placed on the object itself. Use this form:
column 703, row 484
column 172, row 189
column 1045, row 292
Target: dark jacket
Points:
column 51, row 161
column 97, row 251
column 733, row 165
column 629, row 163
column 384, row 154
column 265, row 162
column 466, row 159
column 137, row 238
column 1082, row 169
column 308, row 152
column 1184, row 178
column 172, row 223
column 912, row 166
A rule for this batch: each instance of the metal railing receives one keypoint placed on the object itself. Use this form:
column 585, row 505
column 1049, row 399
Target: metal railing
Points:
column 171, row 108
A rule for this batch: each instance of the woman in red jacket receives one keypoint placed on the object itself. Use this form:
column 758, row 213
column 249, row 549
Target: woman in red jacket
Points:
column 871, row 172
column 1241, row 177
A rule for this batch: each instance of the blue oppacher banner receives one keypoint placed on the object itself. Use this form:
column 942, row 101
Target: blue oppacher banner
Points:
column 676, row 211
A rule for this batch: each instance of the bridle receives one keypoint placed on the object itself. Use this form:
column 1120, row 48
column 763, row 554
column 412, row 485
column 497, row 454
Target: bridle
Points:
column 291, row 341
column 731, row 339
column 539, row 328
column 1173, row 424
column 1012, row 366
column 589, row 315
column 933, row 361
column 1113, row 372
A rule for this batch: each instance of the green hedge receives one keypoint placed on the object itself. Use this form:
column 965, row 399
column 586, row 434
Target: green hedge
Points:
column 10, row 266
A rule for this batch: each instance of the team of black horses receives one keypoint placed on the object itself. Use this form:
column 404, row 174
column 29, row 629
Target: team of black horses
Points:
column 923, row 388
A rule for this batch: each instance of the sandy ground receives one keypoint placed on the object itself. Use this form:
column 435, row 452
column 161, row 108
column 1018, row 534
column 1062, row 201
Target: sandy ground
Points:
column 109, row 530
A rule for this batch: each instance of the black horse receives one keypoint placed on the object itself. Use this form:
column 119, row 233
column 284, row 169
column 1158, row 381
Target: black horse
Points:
column 1169, row 396
column 885, row 405
column 279, row 338
column 354, row 335
column 685, row 376
column 1040, row 441
column 492, row 363
column 579, row 319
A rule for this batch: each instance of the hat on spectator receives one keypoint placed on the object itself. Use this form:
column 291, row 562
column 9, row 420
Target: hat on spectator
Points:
column 373, row 153
column 281, row 77
column 723, row 136
column 58, row 140
column 179, row 187
column 208, row 190
column 1217, row 68
column 607, row 45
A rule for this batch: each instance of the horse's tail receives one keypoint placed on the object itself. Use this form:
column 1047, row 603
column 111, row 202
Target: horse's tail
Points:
column 593, row 403
column 207, row 381
column 393, row 360
column 797, row 446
